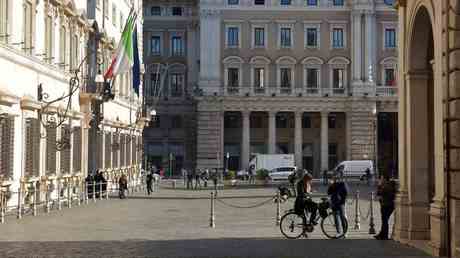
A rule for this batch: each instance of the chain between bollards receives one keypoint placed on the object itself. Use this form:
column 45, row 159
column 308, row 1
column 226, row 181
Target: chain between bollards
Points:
column 212, row 222
column 357, row 213
column 278, row 208
column 371, row 220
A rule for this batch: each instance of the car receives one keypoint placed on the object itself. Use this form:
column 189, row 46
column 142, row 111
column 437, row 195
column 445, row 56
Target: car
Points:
column 281, row 173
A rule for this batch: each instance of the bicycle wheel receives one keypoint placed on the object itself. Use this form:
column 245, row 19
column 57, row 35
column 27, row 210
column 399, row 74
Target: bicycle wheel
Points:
column 292, row 225
column 329, row 228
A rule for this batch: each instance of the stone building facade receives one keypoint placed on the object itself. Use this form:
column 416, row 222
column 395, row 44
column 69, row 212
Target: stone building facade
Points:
column 300, row 77
column 428, row 202
column 48, row 147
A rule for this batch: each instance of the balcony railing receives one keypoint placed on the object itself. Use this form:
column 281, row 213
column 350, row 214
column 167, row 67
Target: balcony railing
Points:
column 386, row 91
column 278, row 90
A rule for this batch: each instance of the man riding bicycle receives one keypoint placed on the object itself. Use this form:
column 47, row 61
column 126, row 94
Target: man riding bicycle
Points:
column 303, row 199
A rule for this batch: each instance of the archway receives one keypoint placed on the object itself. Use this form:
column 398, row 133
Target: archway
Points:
column 421, row 130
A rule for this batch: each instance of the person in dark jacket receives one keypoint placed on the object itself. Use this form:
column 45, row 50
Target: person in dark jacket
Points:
column 338, row 192
column 387, row 193
column 149, row 182
column 303, row 199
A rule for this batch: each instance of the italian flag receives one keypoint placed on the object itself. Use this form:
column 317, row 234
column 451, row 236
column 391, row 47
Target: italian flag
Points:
column 123, row 58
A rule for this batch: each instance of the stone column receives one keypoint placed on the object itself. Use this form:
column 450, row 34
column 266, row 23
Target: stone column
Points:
column 356, row 41
column 348, row 134
column 370, row 50
column 324, row 141
column 271, row 132
column 246, row 140
column 298, row 139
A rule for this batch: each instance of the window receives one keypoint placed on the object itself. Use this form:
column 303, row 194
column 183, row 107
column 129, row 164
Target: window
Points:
column 281, row 121
column 312, row 2
column 390, row 38
column 285, row 2
column 259, row 2
column 285, row 74
column 114, row 14
column 332, row 155
column 177, row 46
column 28, row 27
column 49, row 29
column 7, row 147
column 177, row 11
column 337, row 78
column 62, row 46
column 155, row 122
column 306, row 122
column 338, row 3
column 4, row 20
column 231, row 120
column 75, row 51
column 155, row 85
column 233, row 77
column 285, row 40
column 176, row 121
column 312, row 37
column 155, row 10
column 259, row 37
column 155, row 45
column 337, row 38
column 259, row 79
column 232, row 37
column 332, row 122
column 312, row 78
column 177, row 82
column 390, row 77
column 233, row 2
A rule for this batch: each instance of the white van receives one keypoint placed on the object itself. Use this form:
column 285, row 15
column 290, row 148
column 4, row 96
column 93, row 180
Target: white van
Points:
column 354, row 168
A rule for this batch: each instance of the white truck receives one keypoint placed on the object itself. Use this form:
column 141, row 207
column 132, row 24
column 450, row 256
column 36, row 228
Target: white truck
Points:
column 272, row 161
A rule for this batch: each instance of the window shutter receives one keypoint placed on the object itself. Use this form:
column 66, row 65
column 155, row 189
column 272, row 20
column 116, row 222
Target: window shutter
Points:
column 108, row 150
column 65, row 153
column 77, row 150
column 51, row 150
column 7, row 147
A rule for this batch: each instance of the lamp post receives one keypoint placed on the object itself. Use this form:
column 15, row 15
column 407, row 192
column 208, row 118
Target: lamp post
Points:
column 375, row 132
column 227, row 156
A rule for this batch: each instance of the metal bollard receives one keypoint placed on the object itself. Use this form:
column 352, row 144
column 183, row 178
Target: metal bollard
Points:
column 94, row 191
column 357, row 214
column 371, row 220
column 19, row 203
column 78, row 195
column 69, row 198
column 100, row 191
column 2, row 207
column 278, row 208
column 106, row 191
column 34, row 209
column 212, row 222
column 85, row 195
column 174, row 184
column 47, row 200
column 59, row 196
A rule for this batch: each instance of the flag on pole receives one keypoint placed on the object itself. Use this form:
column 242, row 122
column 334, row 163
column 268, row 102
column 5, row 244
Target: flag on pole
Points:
column 123, row 58
column 136, row 64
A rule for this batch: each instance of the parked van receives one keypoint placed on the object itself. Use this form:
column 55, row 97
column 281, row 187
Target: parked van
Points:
column 355, row 169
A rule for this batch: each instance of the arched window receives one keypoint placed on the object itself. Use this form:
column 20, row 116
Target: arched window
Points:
column 338, row 75
column 233, row 74
column 285, row 74
column 259, row 74
column 312, row 74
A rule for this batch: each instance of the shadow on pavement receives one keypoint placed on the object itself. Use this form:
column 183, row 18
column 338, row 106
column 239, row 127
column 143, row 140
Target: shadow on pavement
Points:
column 215, row 248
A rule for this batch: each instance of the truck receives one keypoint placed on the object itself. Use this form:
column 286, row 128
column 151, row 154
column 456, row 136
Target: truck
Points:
column 272, row 161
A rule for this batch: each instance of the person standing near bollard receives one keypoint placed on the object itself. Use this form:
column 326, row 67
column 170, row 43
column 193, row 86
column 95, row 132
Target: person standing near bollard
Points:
column 338, row 192
column 386, row 192
column 149, row 181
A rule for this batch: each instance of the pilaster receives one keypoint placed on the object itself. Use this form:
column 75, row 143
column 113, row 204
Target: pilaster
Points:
column 245, row 141
column 324, row 141
column 298, row 139
column 272, row 132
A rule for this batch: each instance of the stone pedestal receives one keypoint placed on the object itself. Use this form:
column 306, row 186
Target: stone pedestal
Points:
column 438, row 228
column 401, row 229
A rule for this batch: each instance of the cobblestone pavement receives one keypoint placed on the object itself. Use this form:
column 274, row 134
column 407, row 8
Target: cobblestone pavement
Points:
column 141, row 226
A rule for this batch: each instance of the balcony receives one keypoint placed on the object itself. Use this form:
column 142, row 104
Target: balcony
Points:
column 386, row 91
column 278, row 90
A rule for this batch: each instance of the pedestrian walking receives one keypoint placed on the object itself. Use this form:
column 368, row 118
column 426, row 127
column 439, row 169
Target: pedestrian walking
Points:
column 386, row 193
column 214, row 180
column 184, row 175
column 149, row 183
column 189, row 179
column 205, row 177
column 122, row 186
column 196, row 175
column 251, row 172
column 338, row 192
column 89, row 183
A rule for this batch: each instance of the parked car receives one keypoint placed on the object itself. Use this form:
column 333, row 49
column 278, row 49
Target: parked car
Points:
column 354, row 169
column 281, row 173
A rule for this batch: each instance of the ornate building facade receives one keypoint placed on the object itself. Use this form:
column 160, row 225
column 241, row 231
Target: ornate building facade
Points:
column 275, row 76
column 428, row 202
column 47, row 93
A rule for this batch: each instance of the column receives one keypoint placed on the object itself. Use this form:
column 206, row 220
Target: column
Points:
column 245, row 141
column 348, row 140
column 324, row 141
column 298, row 139
column 356, row 41
column 370, row 50
column 271, row 132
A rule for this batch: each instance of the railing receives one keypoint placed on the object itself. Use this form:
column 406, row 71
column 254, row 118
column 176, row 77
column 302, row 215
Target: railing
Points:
column 278, row 90
column 386, row 91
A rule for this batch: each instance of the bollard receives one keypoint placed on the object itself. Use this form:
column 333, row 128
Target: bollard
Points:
column 357, row 215
column 69, row 197
column 2, row 207
column 212, row 222
column 34, row 209
column 19, row 204
column 94, row 191
column 100, row 191
column 47, row 200
column 106, row 191
column 278, row 208
column 59, row 196
column 85, row 195
column 174, row 184
column 78, row 194
column 371, row 220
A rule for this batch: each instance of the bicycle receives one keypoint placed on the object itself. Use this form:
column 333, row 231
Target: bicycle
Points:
column 294, row 225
